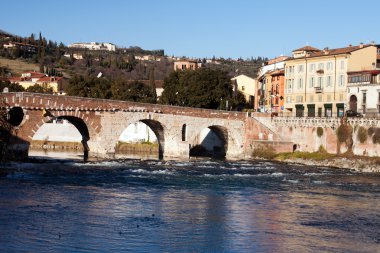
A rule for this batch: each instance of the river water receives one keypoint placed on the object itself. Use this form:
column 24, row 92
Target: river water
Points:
column 197, row 206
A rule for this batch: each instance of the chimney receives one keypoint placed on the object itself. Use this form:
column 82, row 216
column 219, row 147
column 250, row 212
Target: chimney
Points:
column 326, row 50
column 361, row 45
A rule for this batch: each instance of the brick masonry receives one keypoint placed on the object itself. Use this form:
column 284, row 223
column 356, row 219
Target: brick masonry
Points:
column 104, row 121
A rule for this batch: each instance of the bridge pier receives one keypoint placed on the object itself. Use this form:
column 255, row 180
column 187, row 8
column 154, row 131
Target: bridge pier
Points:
column 179, row 150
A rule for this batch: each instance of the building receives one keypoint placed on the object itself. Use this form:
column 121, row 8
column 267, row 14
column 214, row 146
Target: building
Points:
column 94, row 46
column 247, row 86
column 264, row 92
column 277, row 80
column 185, row 65
column 316, row 80
column 22, row 46
column 31, row 78
column 363, row 92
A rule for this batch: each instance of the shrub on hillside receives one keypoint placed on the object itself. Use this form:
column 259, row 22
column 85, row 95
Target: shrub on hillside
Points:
column 362, row 134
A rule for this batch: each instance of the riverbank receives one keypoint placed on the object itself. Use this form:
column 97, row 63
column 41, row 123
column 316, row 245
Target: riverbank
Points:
column 358, row 164
column 322, row 158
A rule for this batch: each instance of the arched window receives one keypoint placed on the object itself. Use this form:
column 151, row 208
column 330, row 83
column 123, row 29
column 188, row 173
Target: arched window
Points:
column 184, row 132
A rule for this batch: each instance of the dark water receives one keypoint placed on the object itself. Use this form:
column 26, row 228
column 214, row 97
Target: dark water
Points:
column 197, row 206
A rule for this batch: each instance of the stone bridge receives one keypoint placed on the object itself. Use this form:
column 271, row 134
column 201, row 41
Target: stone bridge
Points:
column 101, row 122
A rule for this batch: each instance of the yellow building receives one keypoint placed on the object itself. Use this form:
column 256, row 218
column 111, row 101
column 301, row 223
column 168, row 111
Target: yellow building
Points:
column 185, row 65
column 316, row 80
column 246, row 85
column 29, row 79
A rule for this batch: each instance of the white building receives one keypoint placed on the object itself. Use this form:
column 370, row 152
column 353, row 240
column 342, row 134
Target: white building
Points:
column 94, row 46
column 363, row 92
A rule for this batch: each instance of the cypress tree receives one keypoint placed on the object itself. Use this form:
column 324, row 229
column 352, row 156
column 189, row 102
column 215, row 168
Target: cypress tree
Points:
column 152, row 83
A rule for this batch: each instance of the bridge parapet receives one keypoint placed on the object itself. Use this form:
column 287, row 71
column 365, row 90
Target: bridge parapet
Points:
column 36, row 101
column 331, row 122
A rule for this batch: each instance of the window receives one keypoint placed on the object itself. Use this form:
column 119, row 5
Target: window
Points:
column 184, row 132
column 183, row 66
column 341, row 64
column 328, row 81
column 311, row 82
column 320, row 82
column 300, row 83
column 341, row 80
column 321, row 66
column 299, row 99
column 312, row 67
column 288, row 99
column 364, row 98
column 243, row 88
column 329, row 66
column 300, row 68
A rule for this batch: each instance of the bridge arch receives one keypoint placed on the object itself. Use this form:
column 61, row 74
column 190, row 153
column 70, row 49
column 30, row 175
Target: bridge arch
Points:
column 210, row 141
column 158, row 130
column 76, row 121
column 16, row 116
column 155, row 126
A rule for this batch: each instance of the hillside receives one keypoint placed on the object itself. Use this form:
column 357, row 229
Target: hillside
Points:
column 17, row 66
column 133, row 63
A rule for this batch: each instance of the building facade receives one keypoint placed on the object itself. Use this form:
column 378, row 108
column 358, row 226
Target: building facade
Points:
column 247, row 86
column 31, row 78
column 316, row 80
column 265, row 89
column 363, row 92
column 94, row 46
column 276, row 100
column 185, row 65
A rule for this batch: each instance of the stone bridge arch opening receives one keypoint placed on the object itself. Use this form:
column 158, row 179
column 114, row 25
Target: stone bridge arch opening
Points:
column 143, row 138
column 63, row 133
column 211, row 142
column 15, row 116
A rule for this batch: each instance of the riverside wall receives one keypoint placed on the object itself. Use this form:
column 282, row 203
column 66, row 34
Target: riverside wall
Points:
column 364, row 138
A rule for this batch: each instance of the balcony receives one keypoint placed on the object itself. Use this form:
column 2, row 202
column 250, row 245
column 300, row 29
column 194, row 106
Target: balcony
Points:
column 320, row 71
column 318, row 89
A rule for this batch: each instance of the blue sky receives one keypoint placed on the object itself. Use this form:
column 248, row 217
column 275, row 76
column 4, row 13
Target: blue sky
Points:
column 199, row 28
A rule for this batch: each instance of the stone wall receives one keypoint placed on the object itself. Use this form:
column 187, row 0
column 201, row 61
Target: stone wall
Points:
column 303, row 132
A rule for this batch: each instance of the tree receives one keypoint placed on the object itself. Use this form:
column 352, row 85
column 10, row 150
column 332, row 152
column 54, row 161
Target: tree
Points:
column 41, row 52
column 202, row 88
column 12, row 87
column 78, row 86
column 152, row 84
column 40, row 89
column 132, row 91
column 5, row 131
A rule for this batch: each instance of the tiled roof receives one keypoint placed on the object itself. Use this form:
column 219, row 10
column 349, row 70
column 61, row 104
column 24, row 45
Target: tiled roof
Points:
column 49, row 79
column 307, row 48
column 277, row 59
column 335, row 51
column 277, row 72
column 343, row 50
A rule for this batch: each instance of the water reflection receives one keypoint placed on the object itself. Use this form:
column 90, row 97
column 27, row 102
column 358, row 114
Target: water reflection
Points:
column 202, row 206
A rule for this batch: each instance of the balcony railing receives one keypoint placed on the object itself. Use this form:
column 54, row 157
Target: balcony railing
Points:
column 318, row 89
